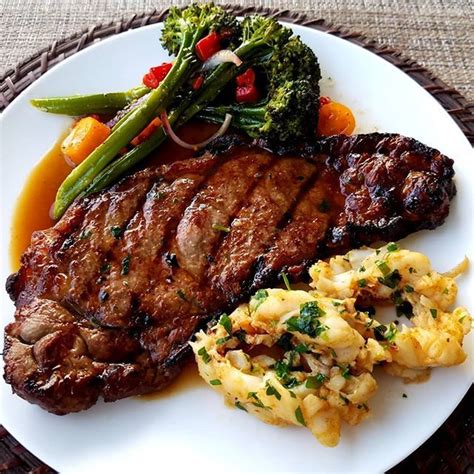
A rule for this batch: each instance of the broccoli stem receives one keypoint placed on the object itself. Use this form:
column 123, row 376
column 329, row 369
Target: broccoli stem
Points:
column 246, row 118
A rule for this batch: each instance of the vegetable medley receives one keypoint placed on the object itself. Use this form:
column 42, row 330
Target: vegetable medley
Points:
column 307, row 357
column 254, row 75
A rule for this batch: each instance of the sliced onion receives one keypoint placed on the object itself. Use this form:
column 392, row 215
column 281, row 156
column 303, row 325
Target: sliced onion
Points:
column 51, row 211
column 194, row 146
column 69, row 161
column 222, row 56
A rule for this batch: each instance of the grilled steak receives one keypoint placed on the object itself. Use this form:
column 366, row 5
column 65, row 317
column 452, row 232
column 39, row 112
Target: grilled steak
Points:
column 108, row 298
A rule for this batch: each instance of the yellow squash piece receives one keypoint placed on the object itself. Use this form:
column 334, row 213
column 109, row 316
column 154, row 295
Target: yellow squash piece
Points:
column 86, row 135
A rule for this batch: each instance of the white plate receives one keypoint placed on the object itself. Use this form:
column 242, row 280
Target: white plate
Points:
column 193, row 430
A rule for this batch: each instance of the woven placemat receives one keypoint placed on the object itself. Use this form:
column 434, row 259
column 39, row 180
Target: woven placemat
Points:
column 451, row 448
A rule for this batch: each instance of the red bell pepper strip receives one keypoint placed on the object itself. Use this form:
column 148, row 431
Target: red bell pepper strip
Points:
column 208, row 46
column 156, row 74
column 247, row 78
column 246, row 94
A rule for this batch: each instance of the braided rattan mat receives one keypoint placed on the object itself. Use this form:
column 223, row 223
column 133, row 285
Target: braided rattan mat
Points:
column 451, row 448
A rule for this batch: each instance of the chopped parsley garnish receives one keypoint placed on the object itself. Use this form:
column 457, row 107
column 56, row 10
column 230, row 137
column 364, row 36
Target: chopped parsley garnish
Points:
column 240, row 335
column 324, row 206
column 362, row 283
column 292, row 394
column 344, row 399
column 434, row 313
column 404, row 309
column 125, row 265
column 336, row 303
column 345, row 371
column 182, row 295
column 396, row 297
column 68, row 243
column 220, row 228
column 369, row 310
column 215, row 382
column 412, row 270
column 409, row 289
column 258, row 403
column 260, row 296
column 285, row 342
column 85, row 234
column 271, row 390
column 284, row 277
column 386, row 333
column 222, row 340
column 105, row 267
column 299, row 416
column 391, row 332
column 315, row 381
column 240, row 406
column 307, row 322
column 116, row 231
column 95, row 321
column 383, row 267
column 362, row 269
column 157, row 195
column 171, row 259
column 445, row 291
column 361, row 406
column 391, row 280
column 204, row 355
column 369, row 323
column 226, row 323
column 392, row 247
column 301, row 348
column 282, row 370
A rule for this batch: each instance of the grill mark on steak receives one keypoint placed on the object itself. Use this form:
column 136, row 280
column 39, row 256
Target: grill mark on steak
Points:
column 255, row 225
column 217, row 204
column 298, row 240
column 379, row 187
column 145, row 241
column 89, row 273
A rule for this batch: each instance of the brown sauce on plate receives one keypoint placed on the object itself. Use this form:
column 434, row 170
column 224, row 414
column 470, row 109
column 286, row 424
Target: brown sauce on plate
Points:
column 38, row 193
column 188, row 378
column 35, row 199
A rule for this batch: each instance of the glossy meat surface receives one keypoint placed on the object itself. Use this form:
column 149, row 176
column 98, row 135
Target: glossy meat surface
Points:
column 108, row 298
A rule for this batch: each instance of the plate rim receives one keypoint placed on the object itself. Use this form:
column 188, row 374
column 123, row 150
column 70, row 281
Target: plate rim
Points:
column 5, row 116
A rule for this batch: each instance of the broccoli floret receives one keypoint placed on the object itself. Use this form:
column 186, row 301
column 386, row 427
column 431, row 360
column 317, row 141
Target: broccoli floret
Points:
column 189, row 25
column 293, row 61
column 260, row 38
column 290, row 115
column 257, row 28
column 286, row 118
column 289, row 80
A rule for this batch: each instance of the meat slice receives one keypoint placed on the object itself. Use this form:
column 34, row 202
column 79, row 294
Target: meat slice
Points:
column 256, row 224
column 108, row 298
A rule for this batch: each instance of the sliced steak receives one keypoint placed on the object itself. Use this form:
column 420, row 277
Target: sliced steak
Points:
column 108, row 298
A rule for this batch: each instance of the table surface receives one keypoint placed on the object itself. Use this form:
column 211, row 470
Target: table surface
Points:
column 439, row 34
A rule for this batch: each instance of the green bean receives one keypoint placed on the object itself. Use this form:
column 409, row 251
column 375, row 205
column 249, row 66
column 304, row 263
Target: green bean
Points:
column 187, row 108
column 89, row 104
column 123, row 164
column 157, row 100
